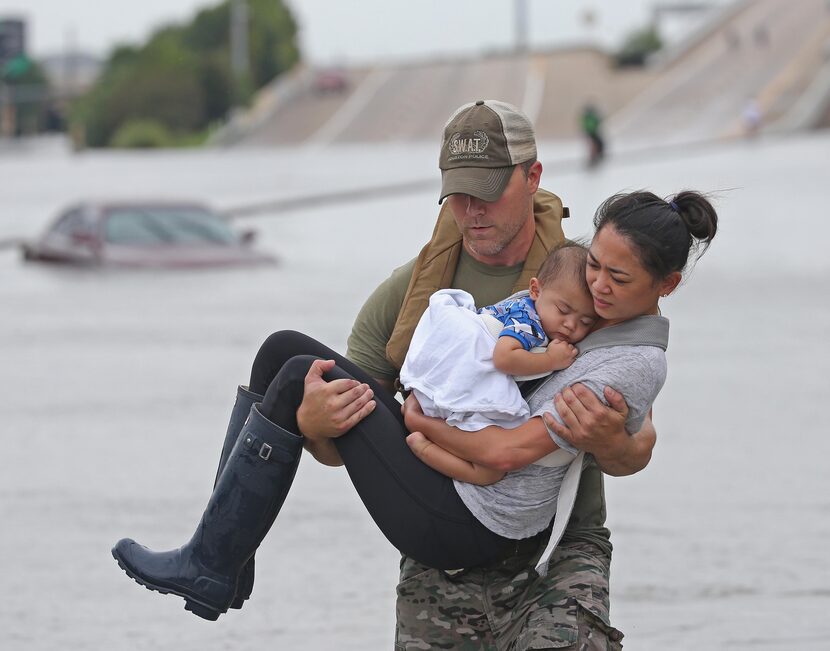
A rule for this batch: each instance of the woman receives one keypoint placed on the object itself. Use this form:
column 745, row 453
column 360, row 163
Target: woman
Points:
column 639, row 250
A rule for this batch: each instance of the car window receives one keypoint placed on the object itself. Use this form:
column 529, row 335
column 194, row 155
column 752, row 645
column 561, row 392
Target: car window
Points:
column 166, row 225
column 75, row 221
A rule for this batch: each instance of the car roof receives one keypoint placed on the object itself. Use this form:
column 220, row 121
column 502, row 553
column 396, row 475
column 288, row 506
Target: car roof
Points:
column 105, row 205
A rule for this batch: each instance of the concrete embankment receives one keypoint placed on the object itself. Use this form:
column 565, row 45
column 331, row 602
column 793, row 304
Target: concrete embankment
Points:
column 763, row 51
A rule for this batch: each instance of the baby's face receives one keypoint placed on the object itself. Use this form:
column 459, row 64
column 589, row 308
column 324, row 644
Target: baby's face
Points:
column 565, row 309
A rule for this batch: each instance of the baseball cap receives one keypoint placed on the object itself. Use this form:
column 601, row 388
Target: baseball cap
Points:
column 483, row 141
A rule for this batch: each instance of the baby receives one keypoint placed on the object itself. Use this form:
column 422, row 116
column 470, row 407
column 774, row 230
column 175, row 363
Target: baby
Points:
column 458, row 374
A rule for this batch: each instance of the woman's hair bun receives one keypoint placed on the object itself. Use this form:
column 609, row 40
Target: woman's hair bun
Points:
column 698, row 214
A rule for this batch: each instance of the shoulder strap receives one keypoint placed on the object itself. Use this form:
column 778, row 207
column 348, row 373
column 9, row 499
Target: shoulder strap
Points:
column 564, row 506
column 642, row 331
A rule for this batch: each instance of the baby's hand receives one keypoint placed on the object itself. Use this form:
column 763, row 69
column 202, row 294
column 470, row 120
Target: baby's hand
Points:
column 561, row 354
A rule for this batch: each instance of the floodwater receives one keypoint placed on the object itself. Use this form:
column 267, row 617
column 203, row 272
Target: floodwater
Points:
column 115, row 389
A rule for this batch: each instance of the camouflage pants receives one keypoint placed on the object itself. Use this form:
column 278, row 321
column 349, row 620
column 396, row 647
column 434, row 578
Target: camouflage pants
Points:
column 507, row 606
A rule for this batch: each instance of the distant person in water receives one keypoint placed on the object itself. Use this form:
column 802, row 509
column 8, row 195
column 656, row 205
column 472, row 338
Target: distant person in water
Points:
column 761, row 35
column 752, row 118
column 591, row 123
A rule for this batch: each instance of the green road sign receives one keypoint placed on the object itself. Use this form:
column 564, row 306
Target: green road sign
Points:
column 17, row 67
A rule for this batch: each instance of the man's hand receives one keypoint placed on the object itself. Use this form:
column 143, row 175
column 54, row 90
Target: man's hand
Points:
column 561, row 354
column 330, row 409
column 599, row 430
column 589, row 424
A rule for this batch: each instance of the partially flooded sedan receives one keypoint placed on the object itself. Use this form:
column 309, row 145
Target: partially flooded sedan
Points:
column 144, row 235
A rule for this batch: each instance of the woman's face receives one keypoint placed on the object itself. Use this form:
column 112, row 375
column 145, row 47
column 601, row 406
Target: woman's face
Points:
column 621, row 286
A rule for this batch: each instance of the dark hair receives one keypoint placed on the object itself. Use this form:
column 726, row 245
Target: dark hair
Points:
column 663, row 233
column 569, row 258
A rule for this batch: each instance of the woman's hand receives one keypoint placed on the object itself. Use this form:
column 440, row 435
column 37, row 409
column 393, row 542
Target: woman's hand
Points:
column 591, row 426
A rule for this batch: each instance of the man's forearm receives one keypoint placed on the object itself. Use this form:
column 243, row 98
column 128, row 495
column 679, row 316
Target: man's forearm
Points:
column 631, row 456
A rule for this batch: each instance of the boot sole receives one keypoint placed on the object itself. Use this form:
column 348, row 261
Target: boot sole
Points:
column 203, row 610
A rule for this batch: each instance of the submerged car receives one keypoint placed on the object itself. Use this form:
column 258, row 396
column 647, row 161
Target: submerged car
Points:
column 144, row 235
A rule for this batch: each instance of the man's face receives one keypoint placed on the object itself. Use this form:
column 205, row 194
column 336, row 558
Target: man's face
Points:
column 499, row 232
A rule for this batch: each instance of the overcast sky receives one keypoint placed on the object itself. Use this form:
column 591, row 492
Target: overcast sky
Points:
column 333, row 30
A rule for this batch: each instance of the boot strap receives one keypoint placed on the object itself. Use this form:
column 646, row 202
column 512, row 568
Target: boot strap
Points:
column 265, row 451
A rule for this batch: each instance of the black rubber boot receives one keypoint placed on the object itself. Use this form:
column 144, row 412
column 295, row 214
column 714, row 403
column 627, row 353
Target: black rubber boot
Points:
column 245, row 501
column 245, row 399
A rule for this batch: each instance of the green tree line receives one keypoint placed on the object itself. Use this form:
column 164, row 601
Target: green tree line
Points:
column 638, row 46
column 175, row 87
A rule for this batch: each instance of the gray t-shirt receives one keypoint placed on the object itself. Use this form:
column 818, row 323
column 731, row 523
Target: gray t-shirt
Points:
column 523, row 503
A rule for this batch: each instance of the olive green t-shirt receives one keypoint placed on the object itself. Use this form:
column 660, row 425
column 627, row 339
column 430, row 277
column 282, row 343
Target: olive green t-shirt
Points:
column 487, row 285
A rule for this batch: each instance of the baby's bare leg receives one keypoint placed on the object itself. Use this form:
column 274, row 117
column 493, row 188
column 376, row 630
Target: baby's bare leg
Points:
column 448, row 464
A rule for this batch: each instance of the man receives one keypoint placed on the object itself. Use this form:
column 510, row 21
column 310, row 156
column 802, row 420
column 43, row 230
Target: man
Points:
column 493, row 231
column 591, row 123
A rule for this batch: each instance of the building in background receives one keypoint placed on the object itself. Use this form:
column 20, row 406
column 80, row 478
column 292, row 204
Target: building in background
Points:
column 12, row 40
column 35, row 95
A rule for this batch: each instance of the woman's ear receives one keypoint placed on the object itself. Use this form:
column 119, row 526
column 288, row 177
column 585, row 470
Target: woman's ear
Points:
column 534, row 288
column 670, row 283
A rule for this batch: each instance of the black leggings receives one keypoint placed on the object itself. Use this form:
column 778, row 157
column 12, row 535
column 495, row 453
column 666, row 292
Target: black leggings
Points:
column 416, row 508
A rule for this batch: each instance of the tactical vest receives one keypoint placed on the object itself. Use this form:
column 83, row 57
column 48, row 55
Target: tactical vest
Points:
column 435, row 266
